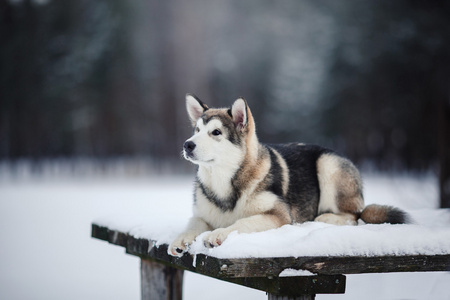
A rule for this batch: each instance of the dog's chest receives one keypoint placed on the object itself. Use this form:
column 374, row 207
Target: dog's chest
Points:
column 248, row 204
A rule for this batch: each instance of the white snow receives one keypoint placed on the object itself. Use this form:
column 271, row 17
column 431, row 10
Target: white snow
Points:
column 429, row 235
column 47, row 253
column 320, row 239
column 293, row 272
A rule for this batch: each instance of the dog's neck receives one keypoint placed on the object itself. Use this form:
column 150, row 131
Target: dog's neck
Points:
column 219, row 178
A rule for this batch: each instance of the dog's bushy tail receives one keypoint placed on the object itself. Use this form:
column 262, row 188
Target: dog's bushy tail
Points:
column 378, row 214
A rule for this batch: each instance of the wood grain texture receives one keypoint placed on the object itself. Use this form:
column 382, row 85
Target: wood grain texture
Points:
column 263, row 273
column 160, row 282
column 302, row 297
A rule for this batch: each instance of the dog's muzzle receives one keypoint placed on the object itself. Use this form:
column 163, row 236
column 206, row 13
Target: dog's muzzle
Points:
column 189, row 147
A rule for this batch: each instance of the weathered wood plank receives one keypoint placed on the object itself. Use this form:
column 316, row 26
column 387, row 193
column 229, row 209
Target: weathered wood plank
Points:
column 160, row 282
column 294, row 286
column 146, row 249
column 272, row 267
column 263, row 273
column 112, row 236
column 302, row 297
column 99, row 232
column 326, row 265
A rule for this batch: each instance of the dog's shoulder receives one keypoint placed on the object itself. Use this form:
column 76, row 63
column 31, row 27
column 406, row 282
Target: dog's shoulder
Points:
column 297, row 154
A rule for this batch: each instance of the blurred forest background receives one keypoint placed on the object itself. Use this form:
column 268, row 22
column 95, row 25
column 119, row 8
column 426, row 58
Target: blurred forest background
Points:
column 106, row 79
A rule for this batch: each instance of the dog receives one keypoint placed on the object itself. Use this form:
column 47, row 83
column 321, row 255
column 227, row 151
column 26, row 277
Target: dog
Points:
column 245, row 186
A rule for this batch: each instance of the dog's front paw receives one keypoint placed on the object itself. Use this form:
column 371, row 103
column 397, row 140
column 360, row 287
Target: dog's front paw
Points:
column 216, row 238
column 181, row 244
column 177, row 249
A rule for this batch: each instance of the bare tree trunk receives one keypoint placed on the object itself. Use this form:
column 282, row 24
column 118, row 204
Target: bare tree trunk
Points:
column 444, row 151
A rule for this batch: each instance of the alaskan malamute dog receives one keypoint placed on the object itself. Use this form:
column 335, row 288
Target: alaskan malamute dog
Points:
column 246, row 186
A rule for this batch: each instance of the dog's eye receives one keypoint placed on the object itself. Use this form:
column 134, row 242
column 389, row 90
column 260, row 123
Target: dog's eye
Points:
column 216, row 132
column 197, row 129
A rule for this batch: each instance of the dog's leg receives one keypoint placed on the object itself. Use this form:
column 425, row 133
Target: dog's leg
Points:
column 180, row 245
column 337, row 219
column 251, row 224
column 341, row 199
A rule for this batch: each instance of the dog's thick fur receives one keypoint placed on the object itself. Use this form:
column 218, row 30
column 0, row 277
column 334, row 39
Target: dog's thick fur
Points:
column 246, row 186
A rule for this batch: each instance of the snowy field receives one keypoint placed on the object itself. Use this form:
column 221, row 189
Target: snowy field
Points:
column 47, row 253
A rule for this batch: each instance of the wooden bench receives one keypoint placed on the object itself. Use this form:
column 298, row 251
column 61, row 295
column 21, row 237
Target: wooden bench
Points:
column 162, row 274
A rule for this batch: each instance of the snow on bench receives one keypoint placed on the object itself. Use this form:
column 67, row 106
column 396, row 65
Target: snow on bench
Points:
column 296, row 261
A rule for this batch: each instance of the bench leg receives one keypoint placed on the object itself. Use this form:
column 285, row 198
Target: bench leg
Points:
column 159, row 282
column 303, row 297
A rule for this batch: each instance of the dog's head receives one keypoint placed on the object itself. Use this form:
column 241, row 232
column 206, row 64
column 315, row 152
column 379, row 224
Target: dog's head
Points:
column 220, row 135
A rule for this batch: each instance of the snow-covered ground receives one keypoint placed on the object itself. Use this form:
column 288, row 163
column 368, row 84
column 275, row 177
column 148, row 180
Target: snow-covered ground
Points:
column 47, row 253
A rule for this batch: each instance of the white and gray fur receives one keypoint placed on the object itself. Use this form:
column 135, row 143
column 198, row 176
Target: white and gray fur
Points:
column 245, row 186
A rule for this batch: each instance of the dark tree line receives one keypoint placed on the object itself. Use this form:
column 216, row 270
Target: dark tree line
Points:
column 108, row 78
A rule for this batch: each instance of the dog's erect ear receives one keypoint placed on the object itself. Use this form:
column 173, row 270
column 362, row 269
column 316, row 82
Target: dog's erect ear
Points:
column 239, row 113
column 195, row 108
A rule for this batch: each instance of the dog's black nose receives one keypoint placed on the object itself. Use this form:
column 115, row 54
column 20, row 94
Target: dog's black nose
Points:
column 189, row 146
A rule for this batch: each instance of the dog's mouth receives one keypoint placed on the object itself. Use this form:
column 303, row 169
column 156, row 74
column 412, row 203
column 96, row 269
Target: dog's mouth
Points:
column 190, row 156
